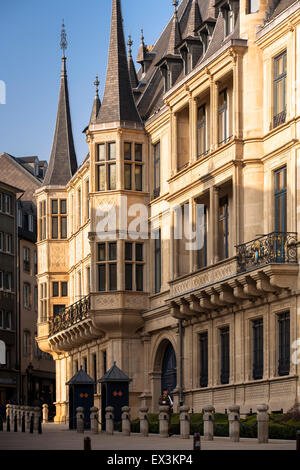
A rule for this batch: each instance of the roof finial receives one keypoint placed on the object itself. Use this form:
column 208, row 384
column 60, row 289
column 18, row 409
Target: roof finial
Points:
column 129, row 44
column 97, row 83
column 63, row 40
column 142, row 36
column 175, row 5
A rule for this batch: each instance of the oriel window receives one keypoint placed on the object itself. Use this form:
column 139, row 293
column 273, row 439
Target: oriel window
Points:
column 107, row 267
column 59, row 219
column 106, row 166
column 133, row 166
column 280, row 78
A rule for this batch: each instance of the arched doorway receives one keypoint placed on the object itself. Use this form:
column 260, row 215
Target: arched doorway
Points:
column 169, row 369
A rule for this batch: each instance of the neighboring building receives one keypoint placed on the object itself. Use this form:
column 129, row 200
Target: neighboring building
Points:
column 212, row 119
column 9, row 321
column 37, row 367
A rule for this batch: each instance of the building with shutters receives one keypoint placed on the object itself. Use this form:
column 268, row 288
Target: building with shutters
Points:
column 210, row 120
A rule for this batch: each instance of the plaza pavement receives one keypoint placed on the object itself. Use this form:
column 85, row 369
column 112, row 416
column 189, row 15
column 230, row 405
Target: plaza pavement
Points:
column 58, row 437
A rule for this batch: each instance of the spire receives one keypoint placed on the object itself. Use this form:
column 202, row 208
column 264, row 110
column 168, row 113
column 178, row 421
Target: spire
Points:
column 142, row 49
column 175, row 36
column 97, row 102
column 132, row 72
column 194, row 19
column 63, row 161
column 118, row 102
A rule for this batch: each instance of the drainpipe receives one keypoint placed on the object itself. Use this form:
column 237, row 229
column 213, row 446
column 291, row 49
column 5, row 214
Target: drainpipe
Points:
column 180, row 362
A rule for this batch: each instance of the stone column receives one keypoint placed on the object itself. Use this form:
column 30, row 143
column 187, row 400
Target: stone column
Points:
column 208, row 421
column 263, row 424
column 109, row 418
column 125, row 421
column 45, row 413
column 164, row 421
column 37, row 413
column 80, row 419
column 185, row 422
column 94, row 420
column 234, row 423
column 144, row 424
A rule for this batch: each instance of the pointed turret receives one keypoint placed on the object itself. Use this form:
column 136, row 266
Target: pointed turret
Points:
column 118, row 104
column 97, row 103
column 142, row 49
column 132, row 72
column 63, row 161
column 175, row 36
column 194, row 19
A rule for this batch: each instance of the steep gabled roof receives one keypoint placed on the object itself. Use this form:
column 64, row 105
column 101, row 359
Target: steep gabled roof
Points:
column 81, row 378
column 118, row 103
column 96, row 104
column 63, row 161
column 115, row 375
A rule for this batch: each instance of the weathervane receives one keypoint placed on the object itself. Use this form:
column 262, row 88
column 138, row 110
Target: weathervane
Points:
column 97, row 83
column 63, row 41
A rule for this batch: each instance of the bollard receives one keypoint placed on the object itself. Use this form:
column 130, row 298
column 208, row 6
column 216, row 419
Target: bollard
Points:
column 94, row 420
column 208, row 421
column 45, row 413
column 234, row 423
column 197, row 441
column 263, row 424
column 36, row 413
column 15, row 423
column 8, row 424
column 31, row 424
column 109, row 420
column 164, row 421
column 144, row 423
column 126, row 425
column 87, row 445
column 80, row 419
column 185, row 422
column 298, row 440
column 23, row 423
column 40, row 425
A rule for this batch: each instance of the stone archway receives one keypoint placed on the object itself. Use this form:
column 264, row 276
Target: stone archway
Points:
column 164, row 371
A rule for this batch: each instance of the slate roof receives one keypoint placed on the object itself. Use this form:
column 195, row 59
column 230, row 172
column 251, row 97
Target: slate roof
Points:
column 118, row 103
column 63, row 161
column 115, row 375
column 279, row 7
column 81, row 378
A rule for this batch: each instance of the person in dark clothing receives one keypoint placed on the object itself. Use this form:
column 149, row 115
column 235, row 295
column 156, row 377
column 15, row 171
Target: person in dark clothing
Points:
column 166, row 400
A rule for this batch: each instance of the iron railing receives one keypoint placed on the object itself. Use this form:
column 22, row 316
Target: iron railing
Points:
column 70, row 316
column 276, row 247
column 279, row 119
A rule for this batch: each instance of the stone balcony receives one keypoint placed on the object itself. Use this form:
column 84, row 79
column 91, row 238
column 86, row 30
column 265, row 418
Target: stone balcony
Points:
column 266, row 266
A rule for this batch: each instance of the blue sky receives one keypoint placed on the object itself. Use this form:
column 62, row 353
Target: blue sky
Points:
column 30, row 63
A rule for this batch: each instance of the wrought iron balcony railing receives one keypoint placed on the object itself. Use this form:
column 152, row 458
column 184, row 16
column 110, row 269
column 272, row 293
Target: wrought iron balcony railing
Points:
column 279, row 119
column 72, row 315
column 276, row 247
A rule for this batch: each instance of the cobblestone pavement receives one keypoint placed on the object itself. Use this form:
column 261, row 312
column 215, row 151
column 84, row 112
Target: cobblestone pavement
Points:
column 58, row 437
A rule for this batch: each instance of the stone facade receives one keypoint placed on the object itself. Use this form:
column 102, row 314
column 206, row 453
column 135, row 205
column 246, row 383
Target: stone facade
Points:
column 230, row 311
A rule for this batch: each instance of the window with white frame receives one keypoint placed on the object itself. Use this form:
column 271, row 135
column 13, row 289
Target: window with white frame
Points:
column 26, row 291
column 30, row 222
column 8, row 281
column 8, row 243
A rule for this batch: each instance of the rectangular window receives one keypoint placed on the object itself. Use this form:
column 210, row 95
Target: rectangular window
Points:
column 8, row 243
column 201, row 131
column 64, row 289
column 112, row 277
column 102, row 277
column 139, row 277
column 87, row 188
column 127, row 176
column 138, row 252
column 101, row 177
column 138, row 174
column 101, row 153
column 156, row 155
column 55, row 228
column 58, row 309
column 79, row 207
column 54, row 206
column 64, row 227
column 7, row 204
column 8, row 321
column 55, row 289
column 280, row 79
column 20, row 217
column 128, row 277
column 281, row 200
column 26, row 291
column 88, row 279
column 203, row 359
column 223, row 228
column 138, row 152
column 253, row 6
column 157, row 261
column 128, row 252
column 35, row 262
column 229, row 21
column 30, row 222
column 284, row 344
column 223, row 118
column 112, row 251
column 63, row 206
column 127, row 151
column 112, row 151
column 8, row 281
column 112, row 177
column 225, row 364
column 26, row 259
column 101, row 252
column 258, row 349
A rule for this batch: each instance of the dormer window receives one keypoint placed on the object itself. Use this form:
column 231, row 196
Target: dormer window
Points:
column 229, row 20
column 252, row 6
